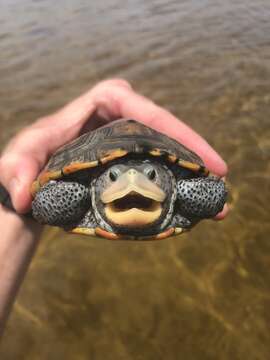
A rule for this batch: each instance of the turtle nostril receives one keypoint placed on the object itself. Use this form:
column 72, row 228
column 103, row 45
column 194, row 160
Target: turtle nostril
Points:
column 132, row 172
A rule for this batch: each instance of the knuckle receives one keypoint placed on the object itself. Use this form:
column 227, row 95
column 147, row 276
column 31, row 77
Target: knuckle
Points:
column 120, row 83
column 8, row 167
column 8, row 161
column 42, row 121
column 116, row 82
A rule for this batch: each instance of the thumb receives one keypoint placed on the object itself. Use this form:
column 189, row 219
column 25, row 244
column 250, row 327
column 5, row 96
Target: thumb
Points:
column 17, row 172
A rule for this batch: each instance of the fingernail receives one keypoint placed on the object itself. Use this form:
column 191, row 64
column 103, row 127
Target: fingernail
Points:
column 13, row 187
column 103, row 113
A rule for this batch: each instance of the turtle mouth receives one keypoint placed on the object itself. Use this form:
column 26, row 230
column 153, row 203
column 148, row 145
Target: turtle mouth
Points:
column 134, row 200
column 133, row 210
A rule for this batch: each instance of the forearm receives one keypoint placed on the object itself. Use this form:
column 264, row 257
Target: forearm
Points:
column 18, row 241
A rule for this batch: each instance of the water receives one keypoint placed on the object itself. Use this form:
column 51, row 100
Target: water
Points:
column 205, row 295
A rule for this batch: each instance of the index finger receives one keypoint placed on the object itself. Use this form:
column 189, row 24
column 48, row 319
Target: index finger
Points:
column 130, row 104
column 113, row 100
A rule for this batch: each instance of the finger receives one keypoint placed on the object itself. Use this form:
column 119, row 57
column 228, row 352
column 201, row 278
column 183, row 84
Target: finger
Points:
column 112, row 99
column 223, row 213
column 63, row 126
column 28, row 152
column 126, row 103
column 21, row 173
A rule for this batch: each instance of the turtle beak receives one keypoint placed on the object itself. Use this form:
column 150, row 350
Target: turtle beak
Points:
column 132, row 181
column 133, row 200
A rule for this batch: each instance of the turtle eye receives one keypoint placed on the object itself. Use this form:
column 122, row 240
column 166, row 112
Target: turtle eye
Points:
column 150, row 172
column 114, row 174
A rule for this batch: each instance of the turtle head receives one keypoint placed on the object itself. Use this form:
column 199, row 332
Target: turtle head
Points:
column 134, row 195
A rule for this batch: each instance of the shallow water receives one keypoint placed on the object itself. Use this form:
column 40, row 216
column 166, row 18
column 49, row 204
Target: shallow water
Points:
column 205, row 295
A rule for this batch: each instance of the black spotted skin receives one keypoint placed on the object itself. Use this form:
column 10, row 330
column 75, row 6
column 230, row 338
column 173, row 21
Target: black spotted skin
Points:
column 201, row 198
column 61, row 203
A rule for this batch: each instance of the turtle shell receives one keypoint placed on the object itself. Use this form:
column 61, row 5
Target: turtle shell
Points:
column 115, row 140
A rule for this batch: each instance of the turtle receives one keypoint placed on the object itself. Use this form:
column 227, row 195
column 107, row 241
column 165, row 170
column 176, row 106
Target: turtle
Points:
column 126, row 180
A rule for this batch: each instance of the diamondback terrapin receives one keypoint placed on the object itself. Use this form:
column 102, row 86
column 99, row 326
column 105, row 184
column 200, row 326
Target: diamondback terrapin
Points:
column 126, row 180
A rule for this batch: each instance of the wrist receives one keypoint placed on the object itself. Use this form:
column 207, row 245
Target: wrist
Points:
column 19, row 237
column 17, row 226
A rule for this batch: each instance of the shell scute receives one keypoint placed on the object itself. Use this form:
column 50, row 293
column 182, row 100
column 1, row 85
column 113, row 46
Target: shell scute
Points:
column 113, row 141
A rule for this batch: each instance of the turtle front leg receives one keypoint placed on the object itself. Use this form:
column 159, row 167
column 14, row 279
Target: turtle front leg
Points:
column 201, row 198
column 61, row 203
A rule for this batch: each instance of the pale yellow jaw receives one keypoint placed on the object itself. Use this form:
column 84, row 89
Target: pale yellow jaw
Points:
column 132, row 217
column 133, row 200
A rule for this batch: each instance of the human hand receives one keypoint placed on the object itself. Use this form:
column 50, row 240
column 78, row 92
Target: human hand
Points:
column 28, row 152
